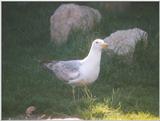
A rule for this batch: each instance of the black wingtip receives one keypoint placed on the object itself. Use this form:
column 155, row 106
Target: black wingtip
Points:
column 44, row 63
column 41, row 62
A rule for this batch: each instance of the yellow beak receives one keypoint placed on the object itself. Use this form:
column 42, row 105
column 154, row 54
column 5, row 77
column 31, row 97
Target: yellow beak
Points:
column 104, row 45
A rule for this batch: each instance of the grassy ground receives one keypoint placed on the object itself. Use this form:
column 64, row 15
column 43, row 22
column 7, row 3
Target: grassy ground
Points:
column 122, row 91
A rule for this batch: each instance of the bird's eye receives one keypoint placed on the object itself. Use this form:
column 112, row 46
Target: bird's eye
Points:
column 96, row 42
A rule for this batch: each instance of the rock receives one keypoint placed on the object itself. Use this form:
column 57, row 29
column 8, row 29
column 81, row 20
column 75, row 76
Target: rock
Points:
column 123, row 42
column 70, row 17
column 116, row 6
column 29, row 111
column 68, row 119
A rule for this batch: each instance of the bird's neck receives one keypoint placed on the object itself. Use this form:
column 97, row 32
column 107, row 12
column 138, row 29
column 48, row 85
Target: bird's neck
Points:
column 94, row 57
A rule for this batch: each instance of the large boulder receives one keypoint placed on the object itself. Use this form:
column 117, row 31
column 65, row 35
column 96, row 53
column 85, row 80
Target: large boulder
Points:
column 70, row 17
column 123, row 42
column 116, row 6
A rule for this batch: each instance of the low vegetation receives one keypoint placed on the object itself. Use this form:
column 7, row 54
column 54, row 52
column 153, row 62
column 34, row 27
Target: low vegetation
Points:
column 122, row 91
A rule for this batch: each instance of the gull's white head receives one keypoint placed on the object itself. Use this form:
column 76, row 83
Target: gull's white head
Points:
column 99, row 44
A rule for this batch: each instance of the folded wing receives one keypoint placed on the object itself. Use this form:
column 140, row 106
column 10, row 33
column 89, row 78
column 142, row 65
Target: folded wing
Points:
column 64, row 70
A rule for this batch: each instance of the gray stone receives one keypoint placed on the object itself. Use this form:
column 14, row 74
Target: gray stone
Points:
column 116, row 6
column 70, row 17
column 123, row 42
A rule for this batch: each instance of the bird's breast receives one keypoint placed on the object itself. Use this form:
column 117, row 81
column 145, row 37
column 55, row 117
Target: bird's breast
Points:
column 90, row 72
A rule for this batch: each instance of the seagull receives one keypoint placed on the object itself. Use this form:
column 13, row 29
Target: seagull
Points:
column 79, row 72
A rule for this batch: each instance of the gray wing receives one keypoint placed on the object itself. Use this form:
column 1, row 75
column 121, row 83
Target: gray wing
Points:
column 64, row 70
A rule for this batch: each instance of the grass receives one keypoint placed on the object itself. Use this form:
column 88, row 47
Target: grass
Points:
column 122, row 91
column 96, row 110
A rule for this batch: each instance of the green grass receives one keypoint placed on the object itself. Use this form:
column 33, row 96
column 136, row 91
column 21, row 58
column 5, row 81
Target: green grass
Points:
column 122, row 91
